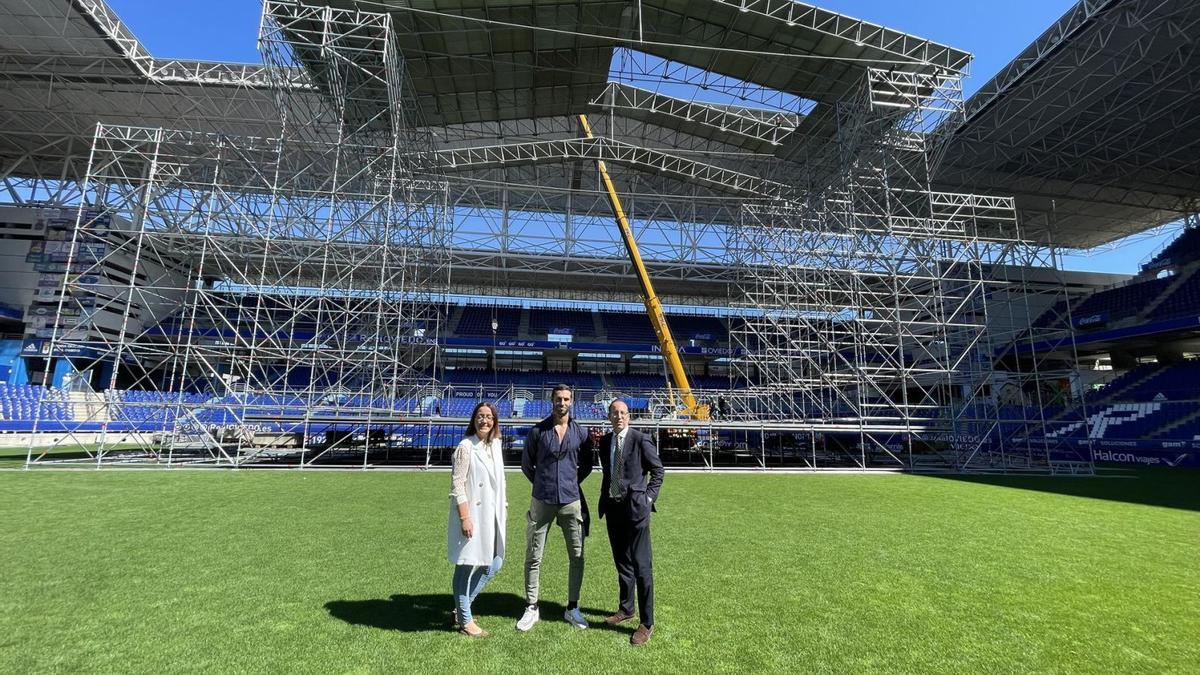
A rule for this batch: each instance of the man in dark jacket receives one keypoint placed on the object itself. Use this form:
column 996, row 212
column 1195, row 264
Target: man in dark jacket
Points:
column 551, row 462
column 626, row 456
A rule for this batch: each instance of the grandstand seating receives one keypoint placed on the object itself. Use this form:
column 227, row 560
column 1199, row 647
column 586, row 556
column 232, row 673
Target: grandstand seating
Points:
column 1122, row 420
column 1143, row 292
column 578, row 323
column 21, row 404
column 1189, row 430
column 635, row 382
column 702, row 328
column 1184, row 300
column 1122, row 301
column 636, row 403
column 1052, row 317
column 643, row 382
column 537, row 409
column 1149, row 402
column 506, row 378
column 476, row 321
column 586, row 410
column 1114, row 388
column 1185, row 249
column 628, row 327
column 1174, row 382
column 462, row 407
column 581, row 410
column 144, row 410
column 1153, row 381
column 711, row 382
column 149, row 411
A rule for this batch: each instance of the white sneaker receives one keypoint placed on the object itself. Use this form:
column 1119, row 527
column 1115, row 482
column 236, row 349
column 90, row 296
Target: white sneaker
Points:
column 528, row 619
column 575, row 618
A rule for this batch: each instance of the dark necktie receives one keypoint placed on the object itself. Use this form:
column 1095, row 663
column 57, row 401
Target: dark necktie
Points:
column 614, row 485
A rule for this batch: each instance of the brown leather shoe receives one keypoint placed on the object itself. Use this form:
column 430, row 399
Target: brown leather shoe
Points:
column 619, row 617
column 641, row 636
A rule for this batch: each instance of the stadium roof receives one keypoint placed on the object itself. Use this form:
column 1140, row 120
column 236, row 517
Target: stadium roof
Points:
column 1093, row 128
column 504, row 59
column 65, row 66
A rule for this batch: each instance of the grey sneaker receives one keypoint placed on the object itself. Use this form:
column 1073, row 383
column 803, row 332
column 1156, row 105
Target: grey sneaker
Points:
column 528, row 619
column 575, row 618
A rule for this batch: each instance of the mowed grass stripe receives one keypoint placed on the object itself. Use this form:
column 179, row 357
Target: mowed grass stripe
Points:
column 346, row 572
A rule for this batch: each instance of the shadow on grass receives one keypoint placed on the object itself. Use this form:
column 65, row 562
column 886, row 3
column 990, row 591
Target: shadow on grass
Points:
column 1170, row 488
column 431, row 612
column 11, row 456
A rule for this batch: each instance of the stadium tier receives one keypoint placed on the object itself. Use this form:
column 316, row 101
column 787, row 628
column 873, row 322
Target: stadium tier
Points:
column 1175, row 382
column 593, row 327
column 1118, row 303
column 1184, row 249
column 537, row 380
column 1115, row 388
column 650, row 382
column 1170, row 289
column 477, row 321
column 703, row 328
column 1183, row 301
column 1150, row 403
column 627, row 327
column 551, row 321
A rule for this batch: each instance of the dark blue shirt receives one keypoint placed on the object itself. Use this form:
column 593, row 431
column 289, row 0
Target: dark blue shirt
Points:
column 553, row 468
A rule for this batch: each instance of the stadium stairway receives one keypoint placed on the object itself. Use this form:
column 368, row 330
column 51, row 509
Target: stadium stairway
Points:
column 523, row 327
column 1130, row 381
column 88, row 407
column 1116, row 394
column 455, row 316
column 598, row 326
column 1183, row 276
column 1171, row 428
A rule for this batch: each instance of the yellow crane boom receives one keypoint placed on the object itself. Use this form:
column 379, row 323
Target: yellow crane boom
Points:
column 653, row 307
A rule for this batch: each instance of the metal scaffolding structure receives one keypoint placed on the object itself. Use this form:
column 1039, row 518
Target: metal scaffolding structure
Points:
column 870, row 295
column 260, row 252
column 302, row 271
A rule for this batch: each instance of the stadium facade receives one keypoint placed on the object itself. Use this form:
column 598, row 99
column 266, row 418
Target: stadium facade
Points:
column 326, row 258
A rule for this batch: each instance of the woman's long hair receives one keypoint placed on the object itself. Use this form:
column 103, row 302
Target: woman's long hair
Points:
column 495, row 433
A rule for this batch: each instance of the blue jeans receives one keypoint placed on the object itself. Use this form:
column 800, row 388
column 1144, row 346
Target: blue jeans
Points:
column 468, row 582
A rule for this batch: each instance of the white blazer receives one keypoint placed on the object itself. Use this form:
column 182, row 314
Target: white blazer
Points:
column 487, row 496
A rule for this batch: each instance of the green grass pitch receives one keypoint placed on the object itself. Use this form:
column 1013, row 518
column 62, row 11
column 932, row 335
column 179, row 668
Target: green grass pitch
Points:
column 290, row 571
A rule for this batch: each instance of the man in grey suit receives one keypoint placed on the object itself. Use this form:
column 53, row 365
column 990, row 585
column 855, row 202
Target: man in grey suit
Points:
column 626, row 456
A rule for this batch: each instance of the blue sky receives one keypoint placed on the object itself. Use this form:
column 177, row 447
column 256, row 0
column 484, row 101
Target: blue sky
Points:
column 995, row 32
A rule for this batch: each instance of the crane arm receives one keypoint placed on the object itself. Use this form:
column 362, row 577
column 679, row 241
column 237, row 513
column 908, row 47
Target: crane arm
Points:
column 653, row 307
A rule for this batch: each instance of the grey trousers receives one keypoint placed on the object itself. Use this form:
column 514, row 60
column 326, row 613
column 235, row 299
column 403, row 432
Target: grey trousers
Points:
column 537, row 524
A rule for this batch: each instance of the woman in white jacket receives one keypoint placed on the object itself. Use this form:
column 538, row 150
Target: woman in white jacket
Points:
column 478, row 513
